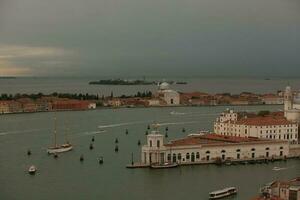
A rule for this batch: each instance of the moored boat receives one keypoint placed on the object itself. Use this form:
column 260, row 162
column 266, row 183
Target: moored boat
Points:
column 163, row 165
column 59, row 148
column 223, row 193
column 32, row 169
column 56, row 148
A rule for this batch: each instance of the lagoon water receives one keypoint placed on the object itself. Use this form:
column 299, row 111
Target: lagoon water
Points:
column 80, row 85
column 68, row 178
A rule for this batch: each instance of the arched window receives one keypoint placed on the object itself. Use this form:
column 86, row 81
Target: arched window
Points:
column 158, row 143
column 174, row 158
column 179, row 156
column 187, row 156
column 267, row 149
column 169, row 157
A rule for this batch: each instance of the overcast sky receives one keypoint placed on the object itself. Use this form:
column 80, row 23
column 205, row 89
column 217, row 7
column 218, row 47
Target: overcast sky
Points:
column 150, row 37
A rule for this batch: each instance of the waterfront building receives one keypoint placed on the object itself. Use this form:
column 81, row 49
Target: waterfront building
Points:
column 154, row 102
column 210, row 148
column 15, row 107
column 281, row 190
column 28, row 105
column 239, row 101
column 43, row 105
column 71, row 105
column 197, row 99
column 272, row 99
column 170, row 97
column 292, row 105
column 272, row 126
column 115, row 102
column 92, row 105
column 4, row 107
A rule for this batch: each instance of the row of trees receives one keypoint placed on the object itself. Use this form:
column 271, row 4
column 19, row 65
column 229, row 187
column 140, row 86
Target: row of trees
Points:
column 138, row 94
column 78, row 96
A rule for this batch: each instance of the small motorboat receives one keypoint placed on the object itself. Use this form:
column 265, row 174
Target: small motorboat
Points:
column 223, row 193
column 163, row 165
column 278, row 168
column 32, row 169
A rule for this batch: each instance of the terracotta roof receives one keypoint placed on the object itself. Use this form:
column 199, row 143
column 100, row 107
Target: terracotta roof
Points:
column 264, row 121
column 214, row 139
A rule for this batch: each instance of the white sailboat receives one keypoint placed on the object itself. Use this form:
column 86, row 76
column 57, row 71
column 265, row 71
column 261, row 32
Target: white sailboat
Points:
column 59, row 148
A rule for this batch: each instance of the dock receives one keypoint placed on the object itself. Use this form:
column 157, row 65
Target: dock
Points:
column 137, row 165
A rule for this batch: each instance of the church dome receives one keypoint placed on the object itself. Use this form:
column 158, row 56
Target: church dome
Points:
column 164, row 86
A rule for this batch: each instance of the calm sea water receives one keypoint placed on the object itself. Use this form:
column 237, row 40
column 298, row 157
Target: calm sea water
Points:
column 67, row 178
column 80, row 85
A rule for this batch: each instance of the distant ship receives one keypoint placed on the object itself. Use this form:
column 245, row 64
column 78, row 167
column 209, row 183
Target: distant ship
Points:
column 56, row 148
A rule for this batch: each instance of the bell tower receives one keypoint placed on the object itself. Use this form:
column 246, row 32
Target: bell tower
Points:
column 288, row 100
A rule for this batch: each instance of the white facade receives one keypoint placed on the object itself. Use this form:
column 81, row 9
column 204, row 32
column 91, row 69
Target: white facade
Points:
column 291, row 105
column 171, row 97
column 209, row 150
column 285, row 190
column 261, row 127
column 92, row 105
column 154, row 102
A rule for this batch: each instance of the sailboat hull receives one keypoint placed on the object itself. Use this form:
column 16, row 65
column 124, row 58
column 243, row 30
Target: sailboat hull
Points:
column 61, row 149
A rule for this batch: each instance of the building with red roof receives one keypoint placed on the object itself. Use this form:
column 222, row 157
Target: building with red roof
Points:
column 211, row 148
column 269, row 126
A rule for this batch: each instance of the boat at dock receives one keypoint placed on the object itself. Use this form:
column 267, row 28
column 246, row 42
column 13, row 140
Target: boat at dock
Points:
column 56, row 148
column 164, row 165
column 137, row 165
column 223, row 193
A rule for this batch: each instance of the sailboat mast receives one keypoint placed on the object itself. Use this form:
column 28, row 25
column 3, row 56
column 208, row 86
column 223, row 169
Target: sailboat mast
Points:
column 55, row 131
column 67, row 131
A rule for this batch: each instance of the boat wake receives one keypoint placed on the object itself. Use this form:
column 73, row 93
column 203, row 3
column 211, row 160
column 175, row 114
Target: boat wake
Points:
column 177, row 123
column 94, row 132
column 18, row 132
column 279, row 168
column 121, row 124
column 177, row 113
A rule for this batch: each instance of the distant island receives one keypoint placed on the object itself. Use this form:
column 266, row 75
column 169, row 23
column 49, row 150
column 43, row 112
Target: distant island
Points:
column 7, row 77
column 121, row 82
column 129, row 82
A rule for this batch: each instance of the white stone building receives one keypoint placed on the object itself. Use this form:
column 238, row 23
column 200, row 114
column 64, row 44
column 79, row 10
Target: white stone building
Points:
column 92, row 105
column 284, row 190
column 291, row 105
column 170, row 97
column 210, row 148
column 273, row 126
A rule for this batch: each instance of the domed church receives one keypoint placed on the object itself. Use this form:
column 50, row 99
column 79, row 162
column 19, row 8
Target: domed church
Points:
column 170, row 97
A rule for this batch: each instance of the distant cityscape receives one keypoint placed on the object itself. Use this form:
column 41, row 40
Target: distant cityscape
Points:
column 164, row 96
